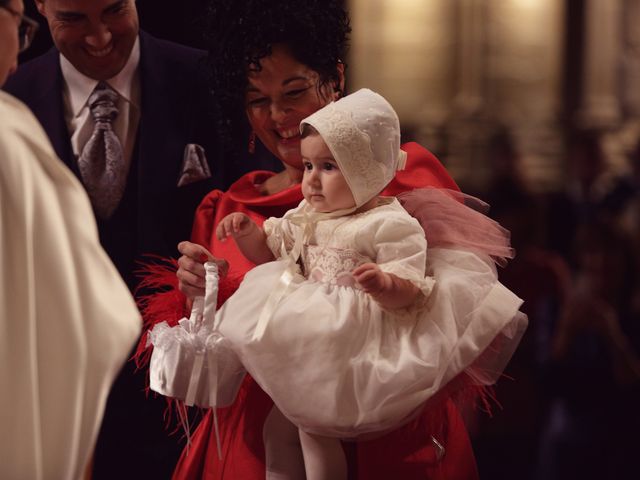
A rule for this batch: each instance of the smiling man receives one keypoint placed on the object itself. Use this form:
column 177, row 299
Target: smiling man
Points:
column 156, row 97
column 127, row 113
column 97, row 37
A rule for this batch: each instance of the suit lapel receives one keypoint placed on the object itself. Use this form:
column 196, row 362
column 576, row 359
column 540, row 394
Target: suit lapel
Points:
column 47, row 105
column 161, row 132
column 160, row 140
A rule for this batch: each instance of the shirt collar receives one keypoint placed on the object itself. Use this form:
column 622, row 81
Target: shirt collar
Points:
column 80, row 86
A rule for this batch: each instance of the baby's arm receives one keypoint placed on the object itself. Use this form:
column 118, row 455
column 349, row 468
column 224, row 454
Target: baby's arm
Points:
column 387, row 289
column 250, row 238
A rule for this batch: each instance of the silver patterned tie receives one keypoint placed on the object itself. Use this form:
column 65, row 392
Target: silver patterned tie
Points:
column 101, row 162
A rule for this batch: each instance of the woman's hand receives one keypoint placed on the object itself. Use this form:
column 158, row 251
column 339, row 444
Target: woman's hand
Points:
column 236, row 225
column 191, row 268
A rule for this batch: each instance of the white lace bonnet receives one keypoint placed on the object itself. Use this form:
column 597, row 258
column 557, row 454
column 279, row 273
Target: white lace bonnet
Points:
column 363, row 133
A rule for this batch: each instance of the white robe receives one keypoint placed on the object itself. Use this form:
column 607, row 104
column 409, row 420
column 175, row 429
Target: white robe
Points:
column 67, row 320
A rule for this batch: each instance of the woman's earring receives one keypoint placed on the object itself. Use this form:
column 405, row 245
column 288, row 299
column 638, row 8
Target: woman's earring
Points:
column 252, row 142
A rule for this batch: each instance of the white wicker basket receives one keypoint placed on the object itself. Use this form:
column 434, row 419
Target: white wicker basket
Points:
column 192, row 361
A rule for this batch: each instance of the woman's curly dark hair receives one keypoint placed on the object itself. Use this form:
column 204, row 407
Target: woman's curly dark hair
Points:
column 240, row 33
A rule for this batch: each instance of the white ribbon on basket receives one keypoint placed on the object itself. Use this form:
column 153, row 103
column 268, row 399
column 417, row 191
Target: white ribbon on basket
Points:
column 201, row 326
column 185, row 346
column 203, row 321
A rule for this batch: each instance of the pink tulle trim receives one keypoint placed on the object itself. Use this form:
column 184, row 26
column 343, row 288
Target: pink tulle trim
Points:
column 453, row 219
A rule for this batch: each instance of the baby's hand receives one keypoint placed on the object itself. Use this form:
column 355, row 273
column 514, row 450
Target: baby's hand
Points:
column 235, row 224
column 387, row 289
column 371, row 279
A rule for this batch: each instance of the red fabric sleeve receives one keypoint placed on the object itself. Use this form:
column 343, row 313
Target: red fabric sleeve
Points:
column 204, row 220
column 423, row 169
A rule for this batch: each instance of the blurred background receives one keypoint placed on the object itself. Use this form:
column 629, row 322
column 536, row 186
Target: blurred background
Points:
column 534, row 106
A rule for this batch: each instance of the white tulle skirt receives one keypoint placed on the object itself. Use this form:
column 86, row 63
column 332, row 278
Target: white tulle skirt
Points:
column 337, row 364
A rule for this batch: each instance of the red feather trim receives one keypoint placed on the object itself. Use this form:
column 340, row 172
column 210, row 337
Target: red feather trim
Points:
column 158, row 299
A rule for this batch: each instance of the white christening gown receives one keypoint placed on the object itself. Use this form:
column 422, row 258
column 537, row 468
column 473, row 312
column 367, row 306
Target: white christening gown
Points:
column 332, row 359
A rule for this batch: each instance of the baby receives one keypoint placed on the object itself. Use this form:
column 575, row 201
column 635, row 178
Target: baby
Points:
column 345, row 322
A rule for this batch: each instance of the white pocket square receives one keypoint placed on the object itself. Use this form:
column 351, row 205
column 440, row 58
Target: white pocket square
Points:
column 194, row 165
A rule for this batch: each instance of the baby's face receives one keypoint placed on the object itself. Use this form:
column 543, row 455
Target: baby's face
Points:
column 323, row 185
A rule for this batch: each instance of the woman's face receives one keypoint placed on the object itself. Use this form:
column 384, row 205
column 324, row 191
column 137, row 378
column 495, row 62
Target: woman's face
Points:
column 9, row 38
column 278, row 97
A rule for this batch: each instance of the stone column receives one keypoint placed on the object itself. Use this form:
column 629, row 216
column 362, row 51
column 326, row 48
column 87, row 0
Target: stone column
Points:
column 467, row 130
column 631, row 60
column 600, row 106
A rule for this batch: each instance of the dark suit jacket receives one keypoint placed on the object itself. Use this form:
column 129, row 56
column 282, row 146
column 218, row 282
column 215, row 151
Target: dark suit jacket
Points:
column 155, row 213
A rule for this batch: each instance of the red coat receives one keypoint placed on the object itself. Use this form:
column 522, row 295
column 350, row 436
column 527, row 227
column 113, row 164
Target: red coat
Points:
column 407, row 453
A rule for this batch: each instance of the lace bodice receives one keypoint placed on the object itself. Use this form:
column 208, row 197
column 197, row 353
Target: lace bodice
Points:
column 386, row 235
column 331, row 265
